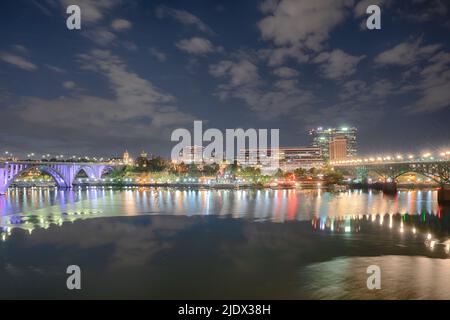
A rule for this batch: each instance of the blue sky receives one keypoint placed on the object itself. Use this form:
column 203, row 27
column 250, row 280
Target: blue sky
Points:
column 139, row 69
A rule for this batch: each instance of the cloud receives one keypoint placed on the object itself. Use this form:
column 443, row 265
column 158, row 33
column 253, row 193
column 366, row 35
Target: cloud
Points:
column 55, row 68
column 92, row 11
column 121, row 25
column 100, row 36
column 18, row 61
column 160, row 56
column 302, row 23
column 361, row 91
column 433, row 85
column 70, row 85
column 41, row 7
column 285, row 72
column 197, row 46
column 337, row 64
column 20, row 49
column 240, row 73
column 406, row 53
column 135, row 110
column 425, row 10
column 183, row 17
column 277, row 56
column 128, row 86
column 267, row 101
column 130, row 45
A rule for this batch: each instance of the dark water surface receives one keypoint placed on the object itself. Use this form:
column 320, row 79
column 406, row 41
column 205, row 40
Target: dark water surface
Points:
column 177, row 244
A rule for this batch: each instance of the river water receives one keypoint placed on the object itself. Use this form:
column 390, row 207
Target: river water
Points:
column 211, row 244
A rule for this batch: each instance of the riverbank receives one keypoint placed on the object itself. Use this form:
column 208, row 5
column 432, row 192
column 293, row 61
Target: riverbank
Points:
column 258, row 186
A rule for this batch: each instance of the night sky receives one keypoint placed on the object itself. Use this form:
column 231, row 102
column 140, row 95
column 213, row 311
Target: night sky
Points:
column 139, row 69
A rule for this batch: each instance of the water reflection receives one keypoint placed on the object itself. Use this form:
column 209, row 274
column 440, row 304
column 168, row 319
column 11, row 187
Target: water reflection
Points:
column 346, row 211
column 223, row 243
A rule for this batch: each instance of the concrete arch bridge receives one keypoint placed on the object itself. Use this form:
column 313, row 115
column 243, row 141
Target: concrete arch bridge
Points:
column 63, row 173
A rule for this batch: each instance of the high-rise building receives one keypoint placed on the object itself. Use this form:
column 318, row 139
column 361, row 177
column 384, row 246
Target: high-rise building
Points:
column 338, row 148
column 321, row 138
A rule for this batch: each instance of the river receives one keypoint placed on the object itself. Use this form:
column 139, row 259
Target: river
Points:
column 233, row 244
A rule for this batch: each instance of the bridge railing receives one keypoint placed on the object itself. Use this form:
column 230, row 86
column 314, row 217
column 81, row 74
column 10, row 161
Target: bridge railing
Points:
column 37, row 162
column 358, row 162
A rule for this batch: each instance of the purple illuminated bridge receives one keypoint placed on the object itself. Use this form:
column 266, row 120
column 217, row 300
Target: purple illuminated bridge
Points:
column 63, row 173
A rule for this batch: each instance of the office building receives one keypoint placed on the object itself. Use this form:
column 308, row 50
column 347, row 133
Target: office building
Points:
column 338, row 148
column 320, row 138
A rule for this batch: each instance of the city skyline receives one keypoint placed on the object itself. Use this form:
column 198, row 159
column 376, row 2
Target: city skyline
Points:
column 138, row 70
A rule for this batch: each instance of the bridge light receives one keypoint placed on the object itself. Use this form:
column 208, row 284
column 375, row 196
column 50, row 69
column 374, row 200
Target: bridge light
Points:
column 399, row 157
column 410, row 156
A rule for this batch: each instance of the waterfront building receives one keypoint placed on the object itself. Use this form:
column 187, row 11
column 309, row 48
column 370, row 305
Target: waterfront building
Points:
column 289, row 158
column 321, row 138
column 143, row 160
column 300, row 158
column 338, row 148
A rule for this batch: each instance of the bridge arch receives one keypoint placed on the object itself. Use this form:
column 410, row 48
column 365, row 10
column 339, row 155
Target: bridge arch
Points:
column 93, row 172
column 417, row 172
column 106, row 169
column 90, row 172
column 55, row 174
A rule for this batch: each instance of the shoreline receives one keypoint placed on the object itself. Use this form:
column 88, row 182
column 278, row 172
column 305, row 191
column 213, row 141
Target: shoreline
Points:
column 336, row 188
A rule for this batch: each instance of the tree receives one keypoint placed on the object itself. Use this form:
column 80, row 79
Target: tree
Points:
column 333, row 177
column 279, row 174
column 157, row 164
column 211, row 169
column 117, row 173
column 193, row 169
column 300, row 173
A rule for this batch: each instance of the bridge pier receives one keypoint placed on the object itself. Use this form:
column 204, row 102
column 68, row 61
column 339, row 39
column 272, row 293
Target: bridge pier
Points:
column 389, row 187
column 444, row 195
